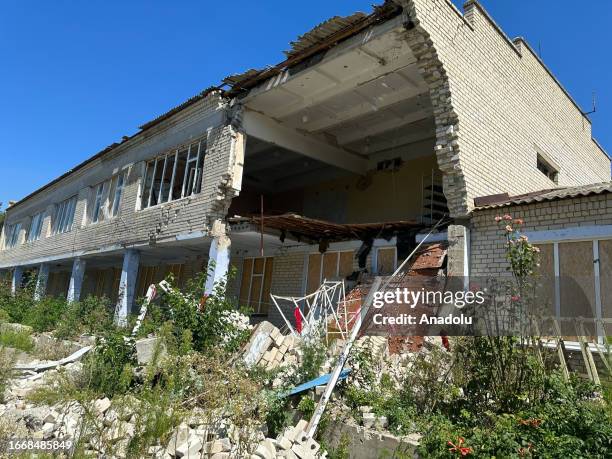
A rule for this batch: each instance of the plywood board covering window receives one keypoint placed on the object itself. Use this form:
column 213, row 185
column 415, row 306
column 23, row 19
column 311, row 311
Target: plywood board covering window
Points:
column 327, row 266
column 256, row 283
column 577, row 281
column 546, row 273
column 386, row 260
column 605, row 273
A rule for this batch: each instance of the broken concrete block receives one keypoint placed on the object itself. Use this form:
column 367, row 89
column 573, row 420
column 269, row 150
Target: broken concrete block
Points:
column 381, row 422
column 179, row 437
column 302, row 451
column 368, row 420
column 266, row 450
column 279, row 339
column 148, row 348
column 16, row 328
column 259, row 343
column 284, row 443
column 288, row 454
column 189, row 449
column 308, row 443
column 101, row 405
column 223, row 455
column 47, row 430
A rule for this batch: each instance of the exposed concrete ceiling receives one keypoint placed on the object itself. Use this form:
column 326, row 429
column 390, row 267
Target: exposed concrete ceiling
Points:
column 361, row 100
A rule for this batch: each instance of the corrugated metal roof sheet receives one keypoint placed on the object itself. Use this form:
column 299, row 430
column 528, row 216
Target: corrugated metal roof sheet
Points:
column 322, row 31
column 550, row 195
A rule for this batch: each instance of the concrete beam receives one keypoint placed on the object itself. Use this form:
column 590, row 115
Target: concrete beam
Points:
column 17, row 278
column 127, row 286
column 41, row 281
column 76, row 280
column 271, row 131
column 218, row 260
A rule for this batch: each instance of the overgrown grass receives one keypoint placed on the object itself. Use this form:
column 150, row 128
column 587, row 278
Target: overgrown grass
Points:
column 21, row 340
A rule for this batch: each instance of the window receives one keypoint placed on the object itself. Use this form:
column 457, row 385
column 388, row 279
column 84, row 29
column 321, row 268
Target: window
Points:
column 35, row 227
column 256, row 283
column 327, row 266
column 173, row 176
column 64, row 215
column 12, row 235
column 97, row 214
column 547, row 169
column 116, row 192
column 106, row 199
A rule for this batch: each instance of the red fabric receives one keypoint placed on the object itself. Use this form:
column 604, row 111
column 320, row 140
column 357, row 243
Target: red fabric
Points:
column 298, row 319
column 445, row 342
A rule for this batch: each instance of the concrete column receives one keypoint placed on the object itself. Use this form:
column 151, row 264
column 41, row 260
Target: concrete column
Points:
column 41, row 281
column 76, row 280
column 218, row 258
column 127, row 286
column 17, row 276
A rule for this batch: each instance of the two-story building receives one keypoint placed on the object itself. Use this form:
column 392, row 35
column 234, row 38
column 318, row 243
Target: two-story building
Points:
column 330, row 162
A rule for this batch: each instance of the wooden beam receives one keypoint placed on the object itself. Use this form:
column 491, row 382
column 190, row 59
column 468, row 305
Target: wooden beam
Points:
column 271, row 131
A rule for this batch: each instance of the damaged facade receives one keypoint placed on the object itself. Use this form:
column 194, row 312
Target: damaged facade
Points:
column 372, row 129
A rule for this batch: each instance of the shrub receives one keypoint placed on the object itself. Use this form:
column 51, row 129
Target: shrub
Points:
column 43, row 315
column 91, row 315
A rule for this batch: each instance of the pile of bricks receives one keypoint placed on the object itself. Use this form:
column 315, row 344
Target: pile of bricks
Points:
column 269, row 348
column 293, row 443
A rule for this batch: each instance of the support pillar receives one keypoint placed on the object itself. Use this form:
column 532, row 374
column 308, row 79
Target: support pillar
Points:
column 218, row 258
column 76, row 280
column 41, row 281
column 127, row 286
column 17, row 277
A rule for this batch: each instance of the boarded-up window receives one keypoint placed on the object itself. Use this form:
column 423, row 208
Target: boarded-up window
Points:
column 328, row 266
column 546, row 278
column 256, row 283
column 605, row 272
column 386, row 260
column 577, row 281
column 147, row 275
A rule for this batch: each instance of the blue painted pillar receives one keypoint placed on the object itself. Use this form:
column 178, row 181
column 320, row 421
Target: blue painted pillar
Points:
column 218, row 261
column 76, row 280
column 41, row 281
column 127, row 286
column 17, row 277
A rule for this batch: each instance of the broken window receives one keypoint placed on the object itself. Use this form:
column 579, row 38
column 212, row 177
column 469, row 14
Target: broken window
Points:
column 547, row 169
column 64, row 215
column 106, row 198
column 97, row 213
column 256, row 283
column 12, row 235
column 174, row 175
column 35, row 227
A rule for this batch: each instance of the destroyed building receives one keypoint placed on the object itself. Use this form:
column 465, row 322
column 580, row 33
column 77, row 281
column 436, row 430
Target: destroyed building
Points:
column 332, row 162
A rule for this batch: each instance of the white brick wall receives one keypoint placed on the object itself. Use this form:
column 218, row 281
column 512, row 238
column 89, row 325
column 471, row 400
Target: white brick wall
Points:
column 502, row 103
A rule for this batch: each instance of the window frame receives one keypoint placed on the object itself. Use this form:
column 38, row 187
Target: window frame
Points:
column 262, row 307
column 193, row 161
column 38, row 233
column 63, row 218
column 12, row 235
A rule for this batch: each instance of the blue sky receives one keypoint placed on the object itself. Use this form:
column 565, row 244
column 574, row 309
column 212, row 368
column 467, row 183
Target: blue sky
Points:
column 76, row 76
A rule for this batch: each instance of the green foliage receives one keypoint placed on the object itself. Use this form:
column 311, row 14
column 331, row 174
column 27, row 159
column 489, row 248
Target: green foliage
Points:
column 17, row 339
column 200, row 324
column 43, row 315
column 278, row 414
column 307, row 406
column 314, row 353
column 91, row 315
column 108, row 368
column 7, row 361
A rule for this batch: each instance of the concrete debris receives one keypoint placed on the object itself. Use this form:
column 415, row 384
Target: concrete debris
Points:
column 269, row 348
column 149, row 348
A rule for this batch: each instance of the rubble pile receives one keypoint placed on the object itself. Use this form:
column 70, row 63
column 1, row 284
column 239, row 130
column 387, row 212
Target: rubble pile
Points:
column 270, row 349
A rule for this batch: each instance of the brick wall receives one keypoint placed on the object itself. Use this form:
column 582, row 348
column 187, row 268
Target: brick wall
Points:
column 487, row 240
column 207, row 120
column 495, row 105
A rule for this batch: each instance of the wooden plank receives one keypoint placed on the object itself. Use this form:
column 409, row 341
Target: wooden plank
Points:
column 314, row 272
column 546, row 285
column 385, row 260
column 330, row 265
column 245, row 282
column 267, row 285
column 346, row 264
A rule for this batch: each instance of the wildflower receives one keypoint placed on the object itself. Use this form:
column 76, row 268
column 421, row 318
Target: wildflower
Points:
column 508, row 228
column 522, row 452
column 457, row 448
column 498, row 218
column 518, row 221
column 507, row 217
column 524, row 238
column 515, row 298
column 535, row 249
